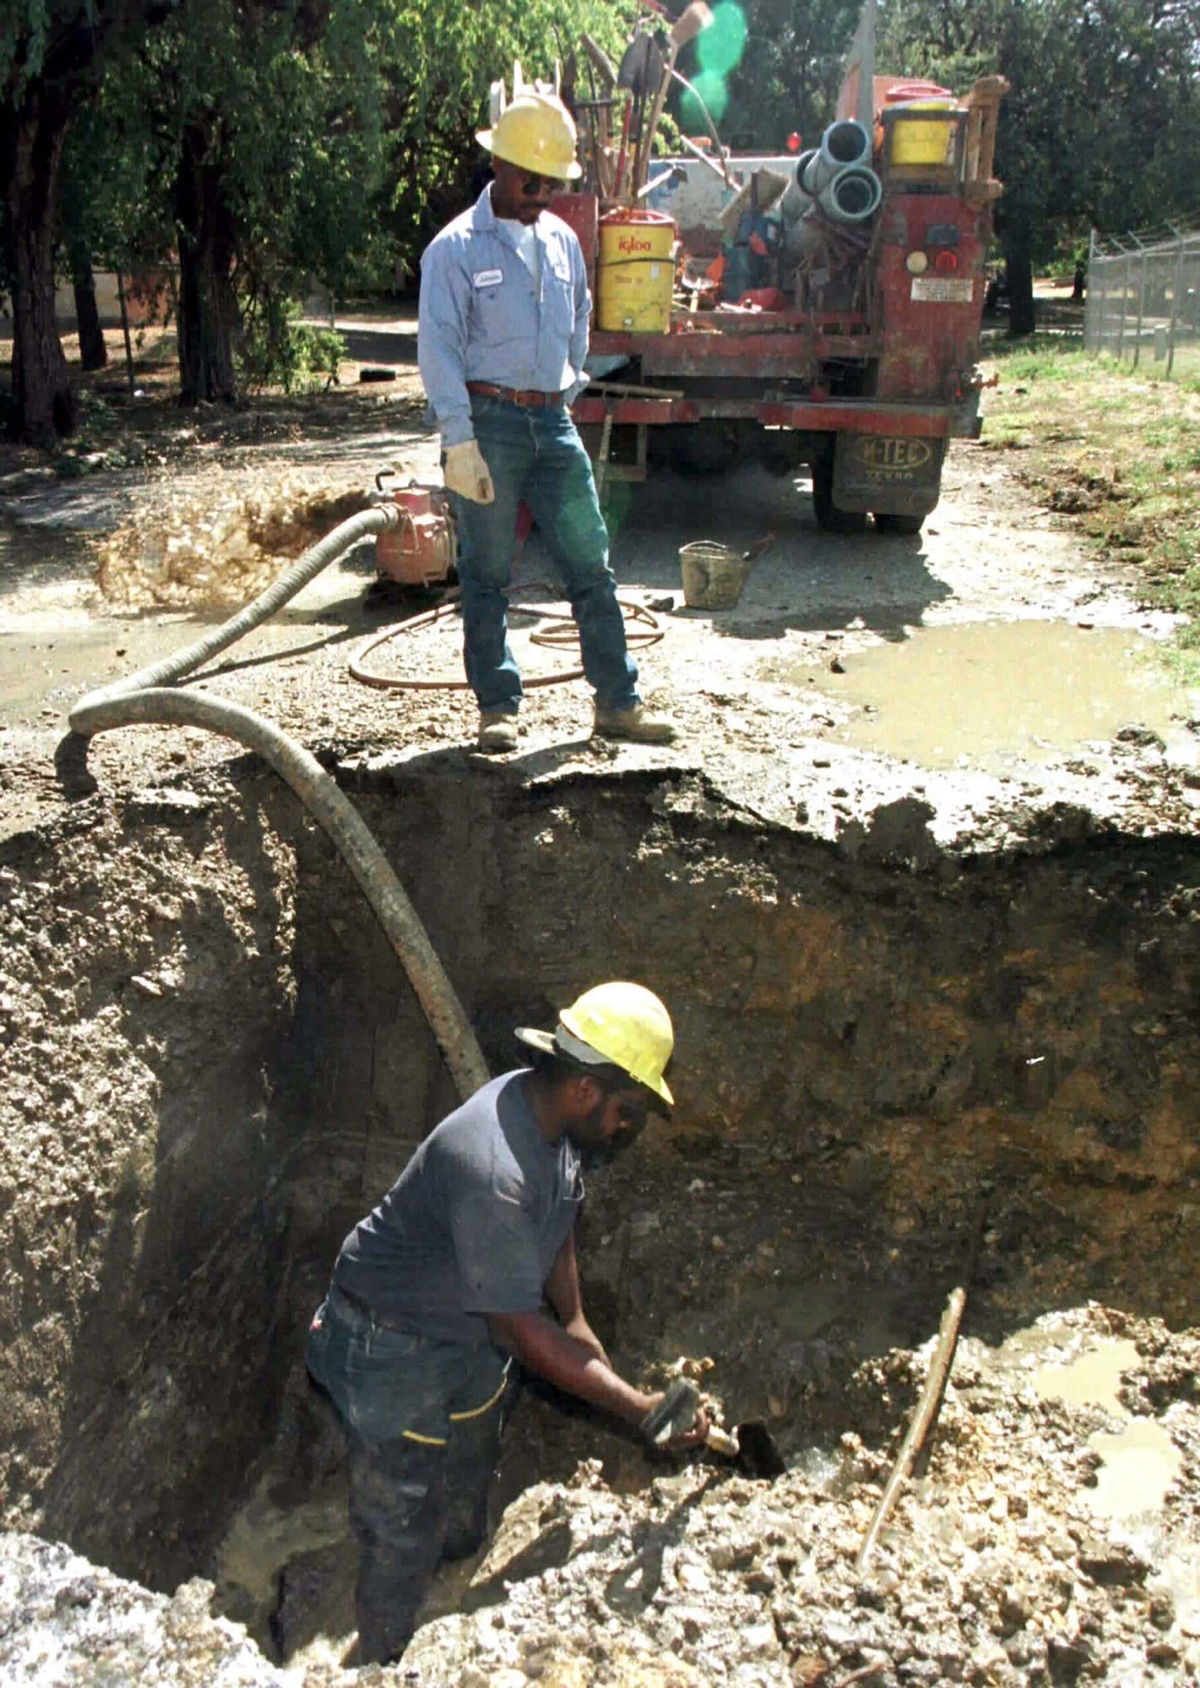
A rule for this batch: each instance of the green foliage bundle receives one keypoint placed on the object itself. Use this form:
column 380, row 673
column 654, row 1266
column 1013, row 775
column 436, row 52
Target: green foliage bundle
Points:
column 274, row 349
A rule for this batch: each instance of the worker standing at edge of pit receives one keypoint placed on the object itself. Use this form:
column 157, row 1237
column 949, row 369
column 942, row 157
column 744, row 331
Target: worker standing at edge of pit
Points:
column 437, row 1290
column 501, row 343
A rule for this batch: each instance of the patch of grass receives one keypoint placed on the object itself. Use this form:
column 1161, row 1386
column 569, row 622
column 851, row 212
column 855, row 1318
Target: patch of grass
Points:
column 1116, row 452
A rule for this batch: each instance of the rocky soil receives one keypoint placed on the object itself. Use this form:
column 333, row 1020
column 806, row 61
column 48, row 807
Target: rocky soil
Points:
column 997, row 1566
column 901, row 980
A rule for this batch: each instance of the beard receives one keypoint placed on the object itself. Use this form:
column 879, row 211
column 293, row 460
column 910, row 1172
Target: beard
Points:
column 595, row 1150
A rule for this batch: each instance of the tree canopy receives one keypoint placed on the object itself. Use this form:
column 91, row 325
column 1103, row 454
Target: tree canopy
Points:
column 252, row 143
column 1102, row 121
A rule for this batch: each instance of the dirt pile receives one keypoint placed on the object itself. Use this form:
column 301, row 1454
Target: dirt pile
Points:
column 1011, row 1561
column 1000, row 1565
column 63, row 1620
column 218, row 548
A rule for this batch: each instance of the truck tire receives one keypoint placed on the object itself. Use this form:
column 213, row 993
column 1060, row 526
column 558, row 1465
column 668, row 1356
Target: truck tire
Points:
column 830, row 517
column 889, row 522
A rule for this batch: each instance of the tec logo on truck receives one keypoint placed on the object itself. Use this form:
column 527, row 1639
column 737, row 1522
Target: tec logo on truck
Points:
column 890, row 460
column 898, row 473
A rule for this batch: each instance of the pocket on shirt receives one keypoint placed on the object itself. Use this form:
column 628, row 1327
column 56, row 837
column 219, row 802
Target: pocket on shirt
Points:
column 495, row 319
column 560, row 299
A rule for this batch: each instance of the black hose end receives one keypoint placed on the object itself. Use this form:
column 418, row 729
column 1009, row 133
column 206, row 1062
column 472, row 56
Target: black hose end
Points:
column 70, row 766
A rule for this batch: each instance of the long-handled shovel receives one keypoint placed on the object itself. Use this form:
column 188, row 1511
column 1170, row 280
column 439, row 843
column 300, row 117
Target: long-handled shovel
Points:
column 686, row 27
column 640, row 72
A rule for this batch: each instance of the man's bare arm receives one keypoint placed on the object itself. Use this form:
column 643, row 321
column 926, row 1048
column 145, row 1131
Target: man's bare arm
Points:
column 562, row 1286
column 562, row 1292
column 551, row 1352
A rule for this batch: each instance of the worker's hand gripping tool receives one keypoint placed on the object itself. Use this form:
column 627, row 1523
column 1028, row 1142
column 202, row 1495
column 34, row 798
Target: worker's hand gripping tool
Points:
column 675, row 1415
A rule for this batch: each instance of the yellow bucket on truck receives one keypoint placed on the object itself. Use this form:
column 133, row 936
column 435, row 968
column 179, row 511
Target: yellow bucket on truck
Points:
column 923, row 140
column 635, row 275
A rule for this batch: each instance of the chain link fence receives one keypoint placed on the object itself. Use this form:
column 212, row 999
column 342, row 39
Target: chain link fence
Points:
column 1143, row 300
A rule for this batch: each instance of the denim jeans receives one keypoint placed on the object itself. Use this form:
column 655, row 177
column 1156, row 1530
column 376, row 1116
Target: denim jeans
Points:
column 423, row 1422
column 537, row 455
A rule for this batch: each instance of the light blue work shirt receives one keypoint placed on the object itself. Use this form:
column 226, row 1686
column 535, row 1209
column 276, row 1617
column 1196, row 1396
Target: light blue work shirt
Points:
column 484, row 318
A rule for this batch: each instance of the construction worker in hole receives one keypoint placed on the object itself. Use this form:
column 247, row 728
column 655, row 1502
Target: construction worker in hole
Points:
column 439, row 1289
column 501, row 343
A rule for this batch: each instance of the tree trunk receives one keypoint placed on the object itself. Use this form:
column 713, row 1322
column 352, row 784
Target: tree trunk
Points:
column 93, row 353
column 208, row 312
column 1018, row 268
column 43, row 402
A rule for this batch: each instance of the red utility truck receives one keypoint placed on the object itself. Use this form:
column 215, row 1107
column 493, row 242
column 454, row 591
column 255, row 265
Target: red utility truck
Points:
column 854, row 348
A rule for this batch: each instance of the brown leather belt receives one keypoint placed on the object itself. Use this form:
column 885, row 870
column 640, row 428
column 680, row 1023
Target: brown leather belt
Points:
column 528, row 396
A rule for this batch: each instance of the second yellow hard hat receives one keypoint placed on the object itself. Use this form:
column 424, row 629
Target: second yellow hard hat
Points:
column 536, row 132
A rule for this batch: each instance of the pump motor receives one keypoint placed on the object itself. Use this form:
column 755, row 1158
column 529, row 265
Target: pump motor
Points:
column 421, row 550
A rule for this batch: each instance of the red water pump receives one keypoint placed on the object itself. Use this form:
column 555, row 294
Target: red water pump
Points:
column 421, row 551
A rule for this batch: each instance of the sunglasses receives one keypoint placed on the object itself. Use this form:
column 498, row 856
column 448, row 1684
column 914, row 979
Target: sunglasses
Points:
column 539, row 187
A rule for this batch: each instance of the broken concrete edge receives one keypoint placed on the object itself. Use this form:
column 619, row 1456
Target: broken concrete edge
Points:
column 895, row 815
column 57, row 1606
column 907, row 830
column 901, row 832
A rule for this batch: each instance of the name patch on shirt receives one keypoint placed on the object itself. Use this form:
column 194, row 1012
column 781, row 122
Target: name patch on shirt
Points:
column 488, row 278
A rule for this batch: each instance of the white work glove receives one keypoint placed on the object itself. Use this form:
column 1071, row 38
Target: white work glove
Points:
column 467, row 473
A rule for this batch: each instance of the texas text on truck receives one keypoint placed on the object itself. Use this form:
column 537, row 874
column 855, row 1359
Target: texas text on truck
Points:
column 828, row 313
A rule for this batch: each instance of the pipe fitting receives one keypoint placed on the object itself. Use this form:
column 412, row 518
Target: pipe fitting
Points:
column 796, row 201
column 852, row 196
column 844, row 143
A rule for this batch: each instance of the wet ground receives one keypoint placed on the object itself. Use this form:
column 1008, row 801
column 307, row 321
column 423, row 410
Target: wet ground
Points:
column 985, row 665
column 917, row 880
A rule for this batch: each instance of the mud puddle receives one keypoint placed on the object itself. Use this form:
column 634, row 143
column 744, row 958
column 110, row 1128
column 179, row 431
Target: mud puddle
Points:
column 1140, row 1462
column 1137, row 1466
column 286, row 1569
column 59, row 636
column 997, row 691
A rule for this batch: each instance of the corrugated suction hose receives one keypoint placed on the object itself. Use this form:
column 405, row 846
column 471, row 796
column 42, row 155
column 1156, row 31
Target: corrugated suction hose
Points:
column 147, row 697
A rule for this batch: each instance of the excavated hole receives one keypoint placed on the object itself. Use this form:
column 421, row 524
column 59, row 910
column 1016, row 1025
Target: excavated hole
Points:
column 889, row 1082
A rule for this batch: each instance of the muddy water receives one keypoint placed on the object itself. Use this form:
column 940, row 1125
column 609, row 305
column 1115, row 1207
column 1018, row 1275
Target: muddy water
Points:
column 1091, row 1379
column 59, row 637
column 1141, row 1461
column 998, row 690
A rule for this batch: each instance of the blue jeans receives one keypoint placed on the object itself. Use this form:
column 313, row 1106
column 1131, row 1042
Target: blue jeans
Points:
column 537, row 455
column 423, row 1422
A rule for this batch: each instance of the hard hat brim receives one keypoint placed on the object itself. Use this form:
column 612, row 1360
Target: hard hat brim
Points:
column 546, row 1043
column 537, row 1040
column 573, row 173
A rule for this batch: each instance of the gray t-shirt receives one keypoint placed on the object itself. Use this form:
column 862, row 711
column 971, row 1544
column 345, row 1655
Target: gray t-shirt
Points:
column 473, row 1223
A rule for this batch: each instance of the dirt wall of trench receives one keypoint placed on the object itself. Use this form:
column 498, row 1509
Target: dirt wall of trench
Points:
column 888, row 1077
column 985, row 1058
column 148, row 980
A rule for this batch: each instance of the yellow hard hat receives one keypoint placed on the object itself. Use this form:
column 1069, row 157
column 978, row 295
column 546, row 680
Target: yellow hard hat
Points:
column 536, row 132
column 629, row 1026
column 617, row 1024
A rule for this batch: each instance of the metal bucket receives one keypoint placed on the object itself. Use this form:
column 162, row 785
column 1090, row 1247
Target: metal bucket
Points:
column 713, row 575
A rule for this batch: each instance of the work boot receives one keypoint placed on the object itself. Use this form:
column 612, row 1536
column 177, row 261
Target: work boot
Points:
column 498, row 732
column 636, row 724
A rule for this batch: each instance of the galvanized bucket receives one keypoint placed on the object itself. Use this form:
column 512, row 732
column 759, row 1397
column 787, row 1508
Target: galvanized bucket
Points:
column 713, row 575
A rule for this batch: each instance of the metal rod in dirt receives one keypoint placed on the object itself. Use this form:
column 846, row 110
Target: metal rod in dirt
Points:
column 922, row 1421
